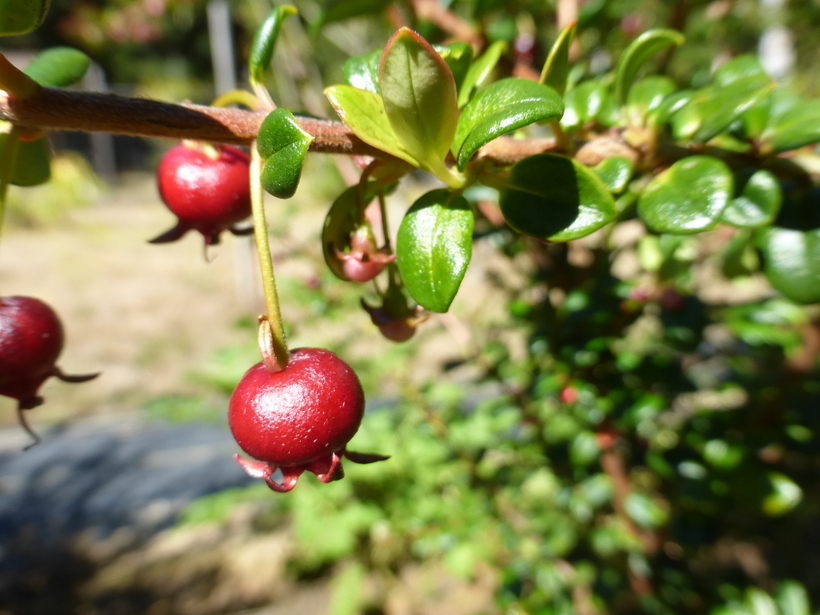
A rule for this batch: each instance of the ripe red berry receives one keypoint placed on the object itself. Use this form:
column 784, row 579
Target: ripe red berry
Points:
column 31, row 339
column 300, row 418
column 207, row 188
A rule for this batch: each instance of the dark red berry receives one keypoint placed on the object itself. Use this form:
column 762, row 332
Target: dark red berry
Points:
column 207, row 188
column 31, row 339
column 297, row 419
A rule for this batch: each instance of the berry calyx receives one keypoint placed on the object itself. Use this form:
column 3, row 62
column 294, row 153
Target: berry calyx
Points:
column 207, row 187
column 298, row 419
column 31, row 339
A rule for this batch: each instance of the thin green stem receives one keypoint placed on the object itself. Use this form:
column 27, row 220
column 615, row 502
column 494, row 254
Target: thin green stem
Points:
column 260, row 229
column 8, row 161
column 385, row 222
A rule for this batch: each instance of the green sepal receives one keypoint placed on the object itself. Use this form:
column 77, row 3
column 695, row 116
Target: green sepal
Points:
column 556, row 198
column 556, row 67
column 283, row 145
column 479, row 71
column 502, row 107
column 32, row 166
column 689, row 197
column 434, row 246
column 615, row 172
column 584, row 103
column 342, row 219
column 264, row 41
column 363, row 111
column 419, row 96
column 716, row 107
column 21, row 16
column 58, row 67
column 758, row 203
column 648, row 44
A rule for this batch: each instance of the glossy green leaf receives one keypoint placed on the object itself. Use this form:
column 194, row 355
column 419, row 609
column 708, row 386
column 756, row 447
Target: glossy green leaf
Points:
column 264, row 41
column 556, row 67
column 688, row 197
column 647, row 96
column 556, row 198
column 759, row 602
column 784, row 496
column 714, row 108
column 363, row 71
column 792, row 599
column 21, row 16
column 669, row 106
column 758, row 203
column 584, row 103
column 364, row 113
column 615, row 172
column 419, row 96
column 458, row 57
column 799, row 127
column 32, row 166
column 644, row 511
column 643, row 48
column 792, row 262
column 479, row 71
column 434, row 246
column 504, row 106
column 739, row 69
column 341, row 220
column 283, row 144
column 58, row 67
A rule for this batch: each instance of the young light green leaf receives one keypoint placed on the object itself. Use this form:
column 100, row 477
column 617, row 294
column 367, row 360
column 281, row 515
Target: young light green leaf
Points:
column 615, row 172
column 648, row 44
column 479, row 71
column 556, row 198
column 434, row 246
column 504, row 106
column 799, row 127
column 556, row 67
column 364, row 113
column 265, row 40
column 31, row 166
column 283, row 144
column 363, row 71
column 58, row 67
column 419, row 96
column 759, row 201
column 689, row 197
column 21, row 16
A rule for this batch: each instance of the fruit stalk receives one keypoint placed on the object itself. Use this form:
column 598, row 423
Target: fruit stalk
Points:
column 8, row 160
column 260, row 230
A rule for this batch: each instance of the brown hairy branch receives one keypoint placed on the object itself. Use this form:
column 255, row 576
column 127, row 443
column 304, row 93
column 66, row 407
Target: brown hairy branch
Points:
column 52, row 109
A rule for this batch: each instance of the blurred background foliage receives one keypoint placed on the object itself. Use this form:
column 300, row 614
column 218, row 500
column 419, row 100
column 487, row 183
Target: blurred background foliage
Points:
column 638, row 432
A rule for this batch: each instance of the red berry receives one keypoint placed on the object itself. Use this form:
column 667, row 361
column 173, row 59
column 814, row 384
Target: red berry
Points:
column 299, row 418
column 207, row 188
column 31, row 339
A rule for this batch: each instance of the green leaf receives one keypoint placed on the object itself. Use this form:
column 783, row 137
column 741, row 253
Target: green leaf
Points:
column 556, row 198
column 341, row 221
column 58, row 67
column 21, row 16
column 264, row 41
column 504, row 106
column 714, row 108
column 792, row 262
column 648, row 44
column 738, row 69
column 647, row 96
column 434, row 246
column 480, row 70
column 615, row 172
column 419, row 96
column 688, row 197
column 799, row 127
column 792, row 599
column 584, row 103
column 556, row 67
column 363, row 71
column 758, row 204
column 785, row 495
column 644, row 511
column 283, row 144
column 32, row 166
column 458, row 57
column 670, row 105
column 364, row 113
column 759, row 602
